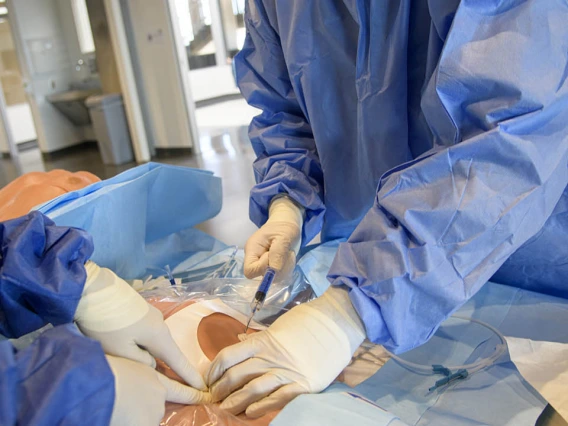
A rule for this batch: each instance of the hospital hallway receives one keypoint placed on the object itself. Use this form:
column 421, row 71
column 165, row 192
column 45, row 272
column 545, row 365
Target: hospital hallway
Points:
column 226, row 151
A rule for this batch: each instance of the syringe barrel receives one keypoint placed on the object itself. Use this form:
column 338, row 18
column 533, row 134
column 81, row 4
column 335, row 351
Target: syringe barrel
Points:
column 262, row 290
column 266, row 281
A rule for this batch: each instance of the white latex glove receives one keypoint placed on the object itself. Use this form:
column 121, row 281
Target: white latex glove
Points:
column 113, row 313
column 302, row 352
column 141, row 393
column 277, row 242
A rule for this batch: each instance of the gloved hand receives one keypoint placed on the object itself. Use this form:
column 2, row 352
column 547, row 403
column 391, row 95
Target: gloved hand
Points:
column 141, row 393
column 113, row 313
column 302, row 352
column 277, row 242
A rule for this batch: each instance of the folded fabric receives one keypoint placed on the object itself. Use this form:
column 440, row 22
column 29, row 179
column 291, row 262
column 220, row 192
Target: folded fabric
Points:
column 141, row 219
column 334, row 409
column 545, row 366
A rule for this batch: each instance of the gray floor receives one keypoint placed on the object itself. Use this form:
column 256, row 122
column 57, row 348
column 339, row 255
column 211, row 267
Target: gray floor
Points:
column 226, row 152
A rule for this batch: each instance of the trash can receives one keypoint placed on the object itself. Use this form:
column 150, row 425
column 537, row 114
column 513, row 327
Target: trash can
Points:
column 111, row 128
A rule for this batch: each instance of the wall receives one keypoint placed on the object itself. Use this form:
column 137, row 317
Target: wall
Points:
column 39, row 37
column 106, row 63
column 21, row 122
column 229, row 24
column 81, row 74
column 158, row 62
column 138, row 77
column 212, row 82
column 65, row 11
column 5, row 147
column 106, row 75
column 18, row 112
column 10, row 75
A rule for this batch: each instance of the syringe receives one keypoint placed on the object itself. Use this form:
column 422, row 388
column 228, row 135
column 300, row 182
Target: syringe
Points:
column 260, row 294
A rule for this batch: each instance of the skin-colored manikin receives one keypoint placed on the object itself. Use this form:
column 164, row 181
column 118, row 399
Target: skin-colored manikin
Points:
column 29, row 190
column 214, row 332
column 217, row 331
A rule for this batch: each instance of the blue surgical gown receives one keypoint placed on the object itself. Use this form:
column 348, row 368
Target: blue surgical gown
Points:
column 63, row 377
column 433, row 134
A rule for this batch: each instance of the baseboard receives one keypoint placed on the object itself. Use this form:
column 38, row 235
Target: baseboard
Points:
column 27, row 145
column 67, row 150
column 22, row 147
column 173, row 152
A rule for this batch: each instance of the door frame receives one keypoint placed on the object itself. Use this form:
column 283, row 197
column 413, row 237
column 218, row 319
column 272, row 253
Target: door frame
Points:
column 125, row 72
column 183, row 71
column 119, row 40
column 24, row 62
column 7, row 133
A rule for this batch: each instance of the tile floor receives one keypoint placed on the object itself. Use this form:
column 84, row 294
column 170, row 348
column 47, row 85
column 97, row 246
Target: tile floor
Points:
column 226, row 151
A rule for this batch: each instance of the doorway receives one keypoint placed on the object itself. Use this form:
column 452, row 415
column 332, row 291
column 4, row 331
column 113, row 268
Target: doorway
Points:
column 19, row 115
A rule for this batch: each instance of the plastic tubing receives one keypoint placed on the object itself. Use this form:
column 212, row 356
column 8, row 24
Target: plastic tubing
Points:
column 471, row 368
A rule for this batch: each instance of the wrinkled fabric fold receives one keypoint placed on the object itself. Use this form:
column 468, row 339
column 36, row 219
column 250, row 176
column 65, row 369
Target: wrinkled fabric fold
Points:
column 141, row 220
column 432, row 133
column 441, row 226
column 61, row 378
column 42, row 273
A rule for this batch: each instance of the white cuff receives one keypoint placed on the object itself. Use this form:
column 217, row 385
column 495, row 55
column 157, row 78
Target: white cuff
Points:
column 336, row 304
column 108, row 302
column 283, row 208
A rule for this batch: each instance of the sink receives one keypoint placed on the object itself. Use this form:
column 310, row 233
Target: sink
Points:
column 72, row 104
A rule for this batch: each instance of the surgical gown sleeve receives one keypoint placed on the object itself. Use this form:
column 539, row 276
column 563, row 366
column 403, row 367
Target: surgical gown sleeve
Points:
column 287, row 160
column 42, row 273
column 62, row 378
column 444, row 223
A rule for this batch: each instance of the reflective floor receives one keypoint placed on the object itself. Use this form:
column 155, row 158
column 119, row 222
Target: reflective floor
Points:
column 226, row 151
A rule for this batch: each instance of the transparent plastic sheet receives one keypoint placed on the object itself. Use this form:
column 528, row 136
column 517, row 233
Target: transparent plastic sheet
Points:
column 224, row 263
column 237, row 294
column 202, row 415
column 233, row 293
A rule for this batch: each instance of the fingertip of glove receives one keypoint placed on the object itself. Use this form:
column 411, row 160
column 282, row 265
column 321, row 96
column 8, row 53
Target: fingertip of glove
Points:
column 225, row 406
column 212, row 375
column 254, row 411
column 255, row 269
column 193, row 378
column 251, row 272
column 216, row 394
column 199, row 385
column 228, row 406
column 206, row 398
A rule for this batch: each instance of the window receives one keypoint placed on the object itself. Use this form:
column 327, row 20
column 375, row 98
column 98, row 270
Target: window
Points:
column 184, row 18
column 83, row 26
